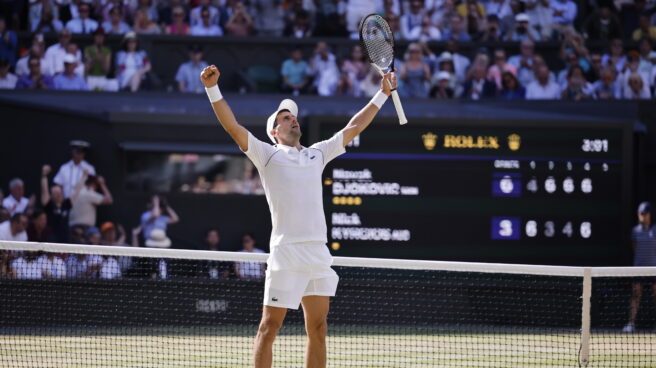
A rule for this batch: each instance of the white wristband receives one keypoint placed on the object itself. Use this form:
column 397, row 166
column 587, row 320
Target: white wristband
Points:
column 213, row 93
column 379, row 99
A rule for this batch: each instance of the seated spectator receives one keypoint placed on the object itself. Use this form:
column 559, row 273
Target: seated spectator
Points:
column 356, row 68
column 615, row 58
column 125, row 10
column 299, row 26
column 294, row 73
column 54, row 56
column 205, row 27
column 477, row 86
column 28, row 267
column 456, row 32
column 540, row 17
column 371, row 83
column 594, row 73
column 268, row 18
column 426, row 31
column 602, row 25
column 395, row 26
column 5, row 264
column 460, row 62
column 15, row 228
column 240, row 22
column 195, row 14
column 607, row 88
column 249, row 270
column 110, row 269
column 7, row 79
column 492, row 31
column 187, row 75
column 524, row 62
column 115, row 24
column 355, row 11
column 98, row 62
column 52, row 265
column 412, row 22
column 475, row 20
column 113, row 236
column 577, row 87
column 86, row 199
column 132, row 64
column 414, row 73
column 70, row 173
column 38, row 230
column 8, row 43
column 499, row 8
column 445, row 64
column 645, row 29
column 45, row 22
column 636, row 88
column 77, row 234
column 143, row 24
column 73, row 50
column 158, row 216
column 323, row 67
column 178, row 24
column 510, row 87
column 15, row 202
column 499, row 67
column 68, row 80
column 150, row 6
column 441, row 89
column 523, row 30
column 564, row 13
column 37, row 50
column 634, row 65
column 81, row 266
column 571, row 61
column 543, row 88
column 56, row 207
column 34, row 80
column 83, row 24
column 216, row 269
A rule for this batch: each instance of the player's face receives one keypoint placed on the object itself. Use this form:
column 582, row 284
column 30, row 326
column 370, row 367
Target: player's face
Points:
column 288, row 127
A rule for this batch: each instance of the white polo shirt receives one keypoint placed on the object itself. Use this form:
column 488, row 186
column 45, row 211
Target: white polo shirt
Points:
column 293, row 187
column 69, row 175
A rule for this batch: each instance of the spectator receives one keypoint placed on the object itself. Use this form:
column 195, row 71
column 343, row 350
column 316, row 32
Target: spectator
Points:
column 324, row 69
column 150, row 7
column 510, row 87
column 542, row 88
column 442, row 12
column 115, row 24
column 477, row 87
column 500, row 66
column 158, row 216
column 37, row 50
column 456, row 32
column 15, row 202
column 602, row 25
column 445, row 64
column 38, row 230
column 356, row 68
column 98, row 62
column 571, row 60
column 165, row 12
column 113, row 236
column 143, row 23
column 205, row 27
column 70, row 173
column 4, row 214
column 216, row 269
column 414, row 73
column 441, row 89
column 607, row 88
column 540, row 16
column 299, row 26
column 110, row 269
column 633, row 66
column 460, row 62
column 86, row 199
column 34, row 80
column 499, row 8
column 355, row 11
column 124, row 10
column 56, row 207
column 467, row 7
column 132, row 64
column 371, row 83
column 240, row 22
column 294, row 73
column 412, row 21
column 28, row 267
column 269, row 17
column 187, row 75
column 84, row 24
column 475, row 20
column 73, row 50
column 426, row 31
column 77, row 235
column 395, row 26
column 68, row 80
column 195, row 14
column 44, row 21
column 249, row 270
column 564, row 13
column 8, row 43
column 594, row 73
column 524, row 62
column 178, row 25
column 52, row 265
column 7, row 79
column 645, row 29
column 157, row 267
column 14, row 228
column 523, row 30
column 637, row 89
column 577, row 87
column 5, row 264
column 492, row 31
column 55, row 54
column 82, row 265
column 615, row 58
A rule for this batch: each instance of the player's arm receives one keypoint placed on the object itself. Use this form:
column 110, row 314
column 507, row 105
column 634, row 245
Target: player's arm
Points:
column 360, row 121
column 210, row 77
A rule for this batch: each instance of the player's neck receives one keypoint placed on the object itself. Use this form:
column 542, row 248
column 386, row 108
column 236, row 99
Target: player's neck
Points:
column 292, row 143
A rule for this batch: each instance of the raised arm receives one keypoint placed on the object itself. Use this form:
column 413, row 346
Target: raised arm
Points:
column 210, row 77
column 45, row 191
column 360, row 121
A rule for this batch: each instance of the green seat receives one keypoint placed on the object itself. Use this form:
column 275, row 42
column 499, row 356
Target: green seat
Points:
column 265, row 78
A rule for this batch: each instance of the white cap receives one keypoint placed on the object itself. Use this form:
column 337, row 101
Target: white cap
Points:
column 285, row 104
column 443, row 75
column 158, row 239
column 446, row 56
column 521, row 17
column 70, row 59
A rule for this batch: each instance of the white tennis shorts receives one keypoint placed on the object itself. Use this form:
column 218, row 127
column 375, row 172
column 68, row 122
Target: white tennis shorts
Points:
column 298, row 270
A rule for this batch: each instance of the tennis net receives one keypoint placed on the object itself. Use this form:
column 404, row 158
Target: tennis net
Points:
column 98, row 306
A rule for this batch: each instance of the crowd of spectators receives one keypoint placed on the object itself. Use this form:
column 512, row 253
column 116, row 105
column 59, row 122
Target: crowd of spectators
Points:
column 621, row 68
column 66, row 212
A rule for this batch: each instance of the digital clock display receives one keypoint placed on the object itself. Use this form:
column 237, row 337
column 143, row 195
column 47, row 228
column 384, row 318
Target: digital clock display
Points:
column 529, row 193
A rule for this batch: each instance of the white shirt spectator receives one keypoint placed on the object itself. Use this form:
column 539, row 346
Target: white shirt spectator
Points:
column 250, row 270
column 501, row 8
column 326, row 74
column 536, row 91
column 356, row 10
column 460, row 66
column 15, row 206
column 53, row 267
column 8, row 82
column 78, row 265
column 417, row 33
column 83, row 26
column 196, row 20
column 569, row 9
column 84, row 207
column 201, row 30
column 69, row 175
column 540, row 16
column 122, row 28
column 28, row 270
column 110, row 269
column 54, row 59
column 5, row 233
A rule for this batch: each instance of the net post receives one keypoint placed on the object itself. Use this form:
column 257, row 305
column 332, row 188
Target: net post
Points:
column 584, row 355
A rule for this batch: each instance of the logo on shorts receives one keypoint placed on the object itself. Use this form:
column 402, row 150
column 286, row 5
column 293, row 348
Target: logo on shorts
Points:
column 274, row 299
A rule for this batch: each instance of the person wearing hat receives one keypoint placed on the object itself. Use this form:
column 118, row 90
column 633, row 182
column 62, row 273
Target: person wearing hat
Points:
column 69, row 80
column 523, row 30
column 70, row 173
column 132, row 64
column 643, row 238
column 187, row 75
column 441, row 88
column 54, row 56
column 299, row 269
column 98, row 60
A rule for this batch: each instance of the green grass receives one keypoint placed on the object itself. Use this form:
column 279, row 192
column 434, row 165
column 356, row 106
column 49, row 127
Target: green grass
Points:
column 348, row 346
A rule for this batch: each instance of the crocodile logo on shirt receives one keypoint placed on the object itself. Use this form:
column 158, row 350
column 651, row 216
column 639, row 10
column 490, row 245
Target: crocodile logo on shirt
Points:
column 274, row 299
column 312, row 157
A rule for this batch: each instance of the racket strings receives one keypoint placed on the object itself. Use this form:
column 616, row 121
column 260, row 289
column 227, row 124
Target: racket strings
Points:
column 377, row 39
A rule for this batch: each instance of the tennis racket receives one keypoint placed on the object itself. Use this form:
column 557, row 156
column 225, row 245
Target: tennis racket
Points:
column 377, row 41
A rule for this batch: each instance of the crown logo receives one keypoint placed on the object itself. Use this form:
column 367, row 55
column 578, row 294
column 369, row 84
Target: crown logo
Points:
column 430, row 140
column 514, row 141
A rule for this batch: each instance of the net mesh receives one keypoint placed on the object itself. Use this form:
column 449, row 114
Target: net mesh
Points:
column 377, row 39
column 82, row 306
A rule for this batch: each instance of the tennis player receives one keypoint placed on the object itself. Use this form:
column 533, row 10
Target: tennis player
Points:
column 298, row 269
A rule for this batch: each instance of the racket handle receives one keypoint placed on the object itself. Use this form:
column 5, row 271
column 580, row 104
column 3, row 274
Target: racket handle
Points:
column 399, row 109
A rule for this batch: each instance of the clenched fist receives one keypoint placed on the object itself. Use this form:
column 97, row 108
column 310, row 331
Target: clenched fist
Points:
column 210, row 76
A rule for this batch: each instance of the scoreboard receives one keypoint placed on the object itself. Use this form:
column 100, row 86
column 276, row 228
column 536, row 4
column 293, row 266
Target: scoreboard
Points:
column 529, row 192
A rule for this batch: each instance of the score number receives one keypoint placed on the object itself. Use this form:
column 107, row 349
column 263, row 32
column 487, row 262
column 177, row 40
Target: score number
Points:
column 532, row 229
column 594, row 145
column 508, row 228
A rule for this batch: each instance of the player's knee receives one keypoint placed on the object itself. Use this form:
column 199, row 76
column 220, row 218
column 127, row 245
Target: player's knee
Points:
column 269, row 327
column 317, row 328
